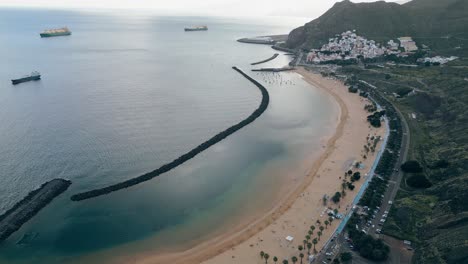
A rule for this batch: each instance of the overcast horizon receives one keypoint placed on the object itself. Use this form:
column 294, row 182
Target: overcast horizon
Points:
column 293, row 8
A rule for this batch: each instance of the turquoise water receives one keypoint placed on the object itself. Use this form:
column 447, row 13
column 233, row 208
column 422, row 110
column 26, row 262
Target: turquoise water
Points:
column 126, row 93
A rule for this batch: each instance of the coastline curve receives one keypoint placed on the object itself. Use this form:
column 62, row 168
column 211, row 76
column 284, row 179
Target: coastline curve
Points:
column 218, row 245
column 187, row 156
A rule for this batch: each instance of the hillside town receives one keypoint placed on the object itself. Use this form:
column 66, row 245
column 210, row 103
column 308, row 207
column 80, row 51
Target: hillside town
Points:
column 349, row 46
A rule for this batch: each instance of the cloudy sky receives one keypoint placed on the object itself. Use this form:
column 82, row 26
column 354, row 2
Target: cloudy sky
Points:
column 302, row 8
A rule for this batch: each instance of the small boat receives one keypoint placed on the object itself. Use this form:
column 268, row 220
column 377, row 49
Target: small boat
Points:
column 55, row 32
column 197, row 28
column 34, row 76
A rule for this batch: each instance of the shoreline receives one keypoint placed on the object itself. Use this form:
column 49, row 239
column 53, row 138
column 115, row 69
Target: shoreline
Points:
column 292, row 214
column 209, row 250
column 243, row 242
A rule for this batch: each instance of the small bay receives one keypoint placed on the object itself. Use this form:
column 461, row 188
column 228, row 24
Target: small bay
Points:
column 127, row 92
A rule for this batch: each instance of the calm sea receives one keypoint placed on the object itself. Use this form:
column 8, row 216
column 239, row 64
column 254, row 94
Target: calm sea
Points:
column 126, row 93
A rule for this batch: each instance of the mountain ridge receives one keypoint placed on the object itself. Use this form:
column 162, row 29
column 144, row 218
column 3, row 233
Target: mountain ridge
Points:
column 382, row 21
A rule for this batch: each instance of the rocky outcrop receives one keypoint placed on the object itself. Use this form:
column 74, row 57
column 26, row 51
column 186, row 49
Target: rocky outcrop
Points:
column 266, row 60
column 30, row 205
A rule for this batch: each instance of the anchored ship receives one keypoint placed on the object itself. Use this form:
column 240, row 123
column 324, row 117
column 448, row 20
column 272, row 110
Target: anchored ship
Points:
column 197, row 28
column 34, row 76
column 55, row 32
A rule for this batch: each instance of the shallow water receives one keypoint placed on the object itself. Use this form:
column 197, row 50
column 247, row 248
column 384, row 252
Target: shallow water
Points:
column 127, row 93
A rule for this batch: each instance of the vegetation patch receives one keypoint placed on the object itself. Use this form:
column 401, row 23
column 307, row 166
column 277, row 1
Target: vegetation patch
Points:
column 418, row 181
column 411, row 166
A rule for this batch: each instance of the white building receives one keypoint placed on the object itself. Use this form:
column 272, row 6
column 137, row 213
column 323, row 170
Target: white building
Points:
column 348, row 45
column 438, row 59
column 408, row 44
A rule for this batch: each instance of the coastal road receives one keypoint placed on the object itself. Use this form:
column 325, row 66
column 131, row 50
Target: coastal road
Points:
column 396, row 177
column 392, row 189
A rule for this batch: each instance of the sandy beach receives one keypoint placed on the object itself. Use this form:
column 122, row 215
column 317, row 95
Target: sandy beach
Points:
column 303, row 206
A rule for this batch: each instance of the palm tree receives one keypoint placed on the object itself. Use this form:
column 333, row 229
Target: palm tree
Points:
column 304, row 242
column 294, row 259
column 319, row 234
column 266, row 256
column 318, row 222
column 330, row 219
column 275, row 259
column 301, row 255
column 309, row 246
column 326, row 223
column 262, row 254
column 312, row 228
column 321, row 228
column 335, row 211
column 315, row 241
column 310, row 232
column 300, row 248
column 285, row 261
column 308, row 238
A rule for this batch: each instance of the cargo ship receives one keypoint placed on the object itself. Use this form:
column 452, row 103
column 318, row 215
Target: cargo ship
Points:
column 197, row 28
column 34, row 76
column 55, row 32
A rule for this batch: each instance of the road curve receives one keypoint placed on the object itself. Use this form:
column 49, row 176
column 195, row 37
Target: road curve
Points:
column 187, row 156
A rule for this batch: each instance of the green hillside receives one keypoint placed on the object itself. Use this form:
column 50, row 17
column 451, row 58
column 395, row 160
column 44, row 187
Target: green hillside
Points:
column 431, row 207
column 434, row 216
column 430, row 21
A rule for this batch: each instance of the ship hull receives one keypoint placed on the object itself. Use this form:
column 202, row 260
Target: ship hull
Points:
column 26, row 79
column 196, row 29
column 48, row 35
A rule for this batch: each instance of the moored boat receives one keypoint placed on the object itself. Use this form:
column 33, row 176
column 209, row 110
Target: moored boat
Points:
column 197, row 28
column 55, row 32
column 34, row 76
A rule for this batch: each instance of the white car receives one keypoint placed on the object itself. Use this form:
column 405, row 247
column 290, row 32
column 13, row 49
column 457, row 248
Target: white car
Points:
column 386, row 212
column 378, row 231
column 390, row 202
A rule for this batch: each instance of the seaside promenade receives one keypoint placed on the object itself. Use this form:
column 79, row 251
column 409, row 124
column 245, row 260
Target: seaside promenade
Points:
column 340, row 228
